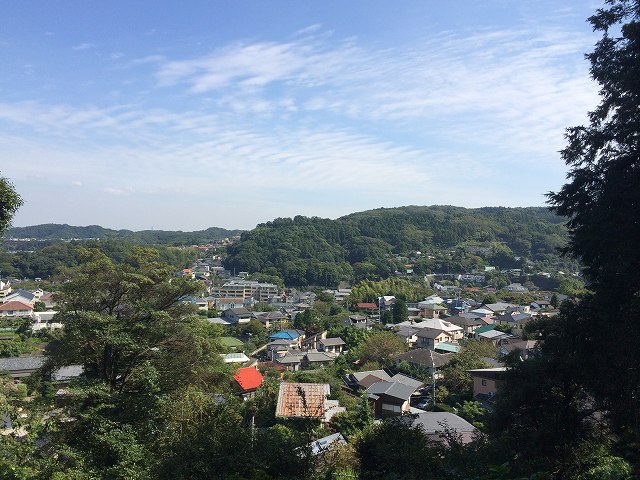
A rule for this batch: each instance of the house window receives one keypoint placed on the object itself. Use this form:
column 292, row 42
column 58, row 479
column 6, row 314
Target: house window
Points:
column 391, row 408
column 484, row 382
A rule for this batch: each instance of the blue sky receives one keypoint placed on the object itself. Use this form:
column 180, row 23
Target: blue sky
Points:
column 185, row 115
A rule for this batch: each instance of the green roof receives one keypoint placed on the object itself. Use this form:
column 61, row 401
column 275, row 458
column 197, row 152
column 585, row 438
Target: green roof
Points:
column 447, row 347
column 231, row 342
column 486, row 328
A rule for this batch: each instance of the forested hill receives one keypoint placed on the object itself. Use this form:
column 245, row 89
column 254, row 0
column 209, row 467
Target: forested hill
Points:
column 320, row 251
column 52, row 231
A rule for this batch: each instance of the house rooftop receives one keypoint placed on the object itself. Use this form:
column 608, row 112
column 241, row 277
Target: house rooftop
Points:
column 392, row 389
column 302, row 399
column 447, row 347
column 15, row 305
column 248, row 378
column 234, row 357
column 425, row 357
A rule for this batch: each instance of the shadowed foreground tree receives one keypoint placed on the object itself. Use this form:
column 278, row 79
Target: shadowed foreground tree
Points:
column 602, row 202
column 576, row 405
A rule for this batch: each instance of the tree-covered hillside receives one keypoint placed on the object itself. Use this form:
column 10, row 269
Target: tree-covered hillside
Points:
column 52, row 231
column 375, row 243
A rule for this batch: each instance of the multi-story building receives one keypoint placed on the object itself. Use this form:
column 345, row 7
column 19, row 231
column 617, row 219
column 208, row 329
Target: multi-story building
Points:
column 246, row 289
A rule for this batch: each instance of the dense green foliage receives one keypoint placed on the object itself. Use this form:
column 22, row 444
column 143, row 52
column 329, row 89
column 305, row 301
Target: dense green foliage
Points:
column 10, row 201
column 574, row 408
column 54, row 231
column 47, row 262
column 370, row 245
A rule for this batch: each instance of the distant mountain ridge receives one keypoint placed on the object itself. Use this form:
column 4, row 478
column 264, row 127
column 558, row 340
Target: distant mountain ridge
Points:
column 54, row 231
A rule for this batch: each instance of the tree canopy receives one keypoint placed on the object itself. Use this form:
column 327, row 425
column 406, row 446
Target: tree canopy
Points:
column 576, row 403
column 10, row 201
column 371, row 245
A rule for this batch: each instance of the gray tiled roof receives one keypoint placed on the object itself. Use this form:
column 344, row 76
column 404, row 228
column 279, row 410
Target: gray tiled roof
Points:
column 432, row 422
column 332, row 341
column 426, row 357
column 392, row 389
column 411, row 382
column 14, row 364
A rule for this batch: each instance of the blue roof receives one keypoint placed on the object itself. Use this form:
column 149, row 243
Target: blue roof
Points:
column 284, row 335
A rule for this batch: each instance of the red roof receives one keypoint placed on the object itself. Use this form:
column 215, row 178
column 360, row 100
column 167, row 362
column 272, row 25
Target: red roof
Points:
column 248, row 378
column 367, row 306
column 15, row 305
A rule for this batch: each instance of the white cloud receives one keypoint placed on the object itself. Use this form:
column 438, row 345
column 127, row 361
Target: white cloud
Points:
column 118, row 191
column 499, row 81
column 83, row 46
column 451, row 118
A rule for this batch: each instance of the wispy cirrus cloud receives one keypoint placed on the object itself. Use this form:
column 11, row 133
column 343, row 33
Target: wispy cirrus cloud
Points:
column 324, row 118
column 532, row 81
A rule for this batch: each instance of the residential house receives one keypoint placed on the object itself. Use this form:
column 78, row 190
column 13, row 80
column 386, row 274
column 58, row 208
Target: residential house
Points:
column 541, row 305
column 300, row 400
column 516, row 287
column 22, row 296
column 438, row 426
column 291, row 360
column 494, row 336
column 339, row 295
column 499, row 308
column 425, row 359
column 292, row 334
column 486, row 382
column 5, row 289
column 467, row 323
column 406, row 380
column 515, row 321
column 358, row 321
column 454, row 332
column 524, row 347
column 431, row 310
column 386, row 302
column 408, row 334
column 481, row 312
column 390, row 398
column 306, row 298
column 44, row 320
column 332, row 345
column 435, row 299
column 222, row 304
column 238, row 315
column 269, row 319
column 315, row 359
column 367, row 307
column 431, row 337
column 15, row 308
column 48, row 299
column 249, row 379
column 457, row 306
column 363, row 380
column 201, row 303
column 20, row 367
column 312, row 342
column 234, row 357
